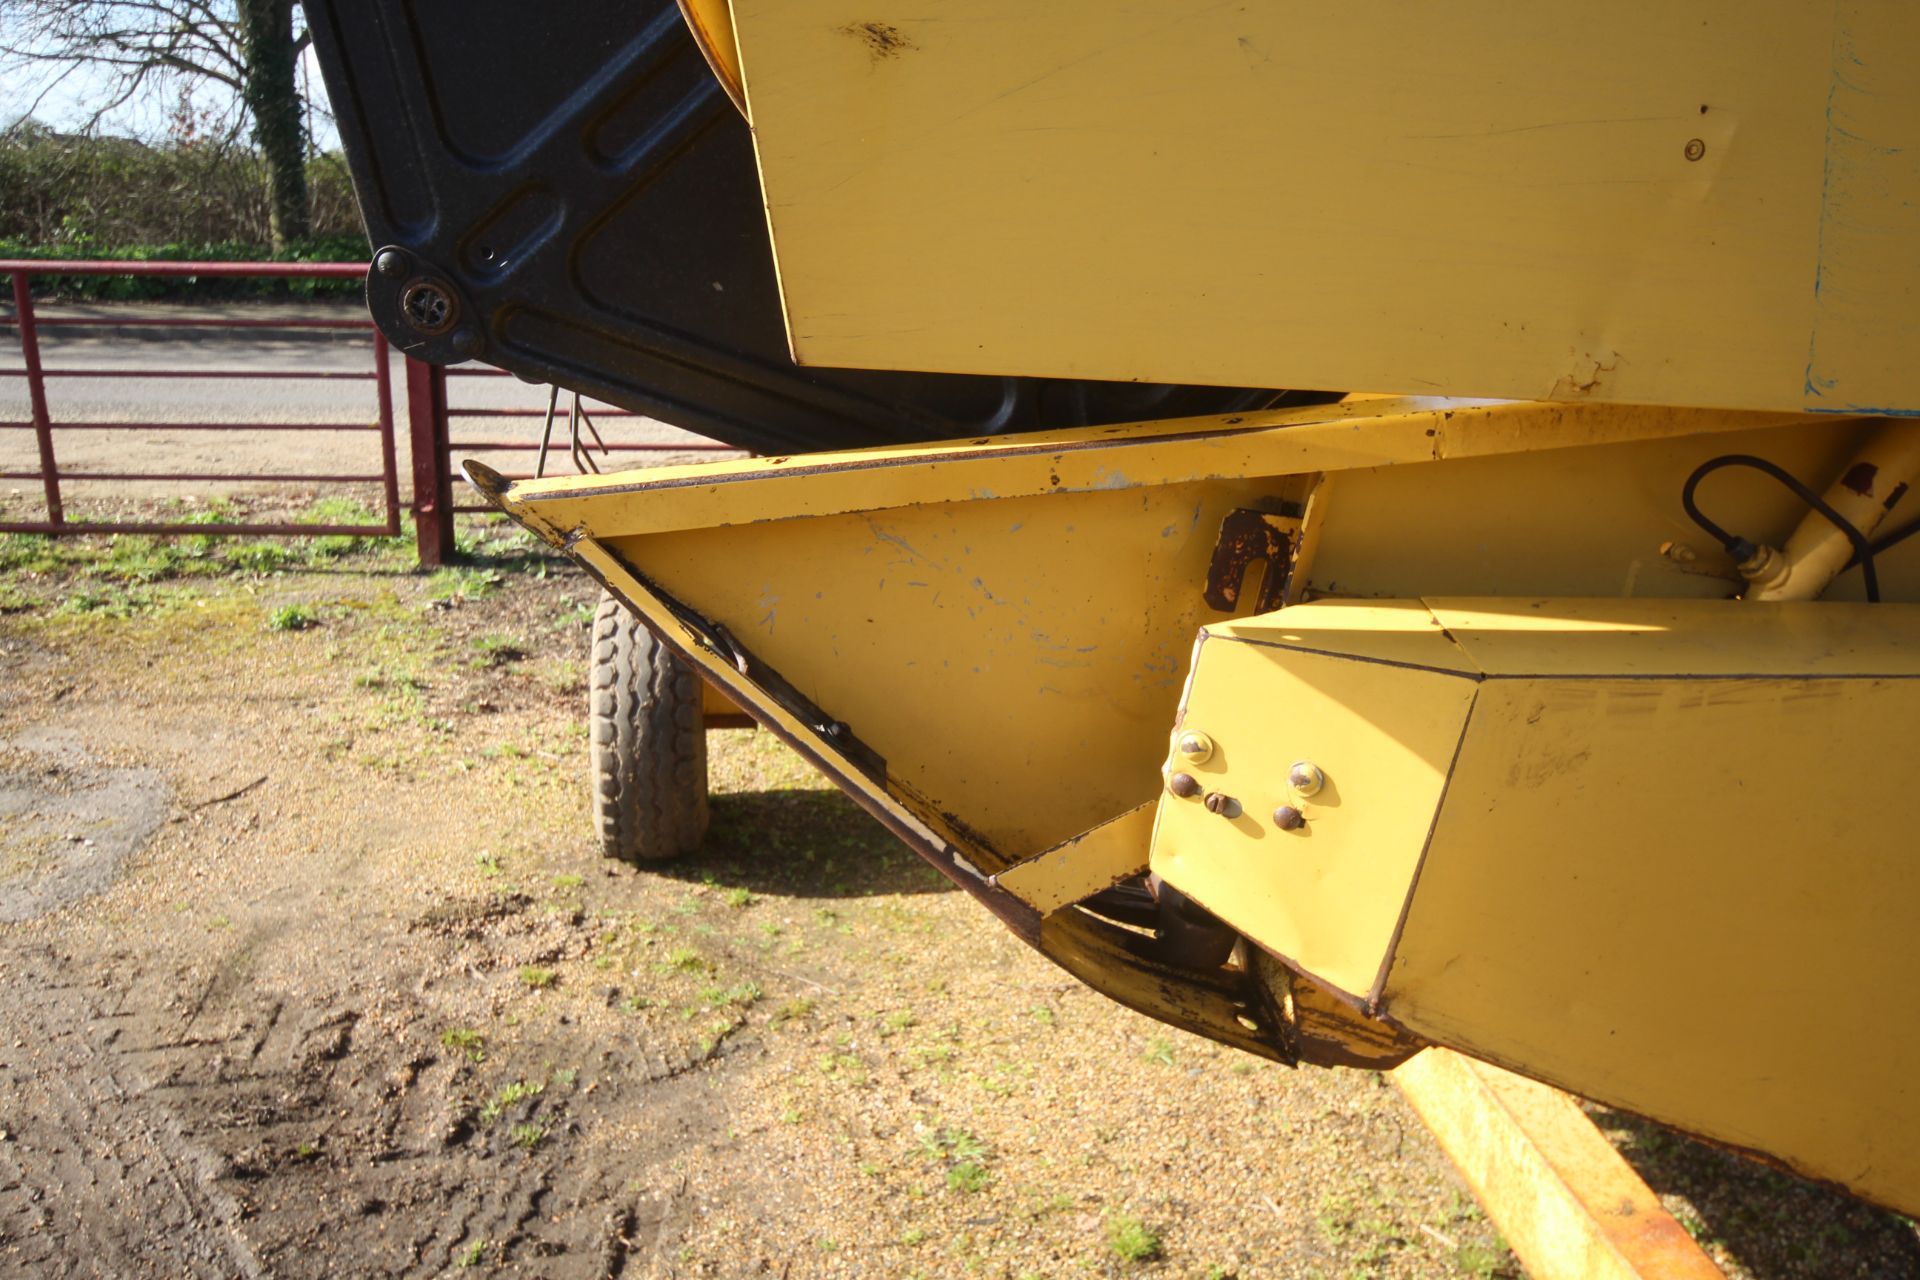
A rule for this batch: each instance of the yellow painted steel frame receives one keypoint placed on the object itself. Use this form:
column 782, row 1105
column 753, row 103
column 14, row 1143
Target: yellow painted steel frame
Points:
column 1564, row 1200
column 984, row 641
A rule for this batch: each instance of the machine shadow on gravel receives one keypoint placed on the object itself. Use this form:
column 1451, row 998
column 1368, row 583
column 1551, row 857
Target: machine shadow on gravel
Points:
column 795, row 843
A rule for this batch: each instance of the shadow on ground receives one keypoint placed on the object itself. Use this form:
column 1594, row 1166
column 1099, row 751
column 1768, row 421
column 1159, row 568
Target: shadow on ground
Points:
column 797, row 842
column 1769, row 1222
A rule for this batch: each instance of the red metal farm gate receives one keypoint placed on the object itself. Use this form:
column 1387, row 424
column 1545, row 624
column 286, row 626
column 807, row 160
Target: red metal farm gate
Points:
column 428, row 414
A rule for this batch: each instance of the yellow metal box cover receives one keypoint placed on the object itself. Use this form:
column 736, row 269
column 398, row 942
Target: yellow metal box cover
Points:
column 1683, row 202
column 1654, row 851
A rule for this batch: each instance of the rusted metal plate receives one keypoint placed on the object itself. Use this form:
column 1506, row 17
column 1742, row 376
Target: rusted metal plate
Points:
column 1248, row 538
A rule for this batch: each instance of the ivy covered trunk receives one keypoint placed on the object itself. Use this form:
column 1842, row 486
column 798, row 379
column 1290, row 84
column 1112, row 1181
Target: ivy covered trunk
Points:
column 272, row 95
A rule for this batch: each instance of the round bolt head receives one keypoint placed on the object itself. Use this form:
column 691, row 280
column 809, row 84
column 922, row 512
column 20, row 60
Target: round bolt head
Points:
column 391, row 263
column 1695, row 148
column 1224, row 805
column 1196, row 746
column 1288, row 818
column 1305, row 778
column 1183, row 785
column 466, row 342
column 428, row 308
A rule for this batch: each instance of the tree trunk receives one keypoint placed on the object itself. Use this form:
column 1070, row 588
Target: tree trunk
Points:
column 272, row 95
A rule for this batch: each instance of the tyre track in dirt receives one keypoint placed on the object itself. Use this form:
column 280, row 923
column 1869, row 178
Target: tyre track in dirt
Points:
column 96, row 1178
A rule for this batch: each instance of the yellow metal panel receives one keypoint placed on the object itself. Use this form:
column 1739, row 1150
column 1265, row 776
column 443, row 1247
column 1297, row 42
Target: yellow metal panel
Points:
column 1357, row 434
column 1014, row 662
column 1523, row 524
column 1562, row 1197
column 1382, row 731
column 1689, row 896
column 1633, row 639
column 1706, row 202
column 1077, row 869
column 1222, row 1005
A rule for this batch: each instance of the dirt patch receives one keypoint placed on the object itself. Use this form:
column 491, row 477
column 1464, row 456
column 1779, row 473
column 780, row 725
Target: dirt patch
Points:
column 370, row 1003
column 67, row 823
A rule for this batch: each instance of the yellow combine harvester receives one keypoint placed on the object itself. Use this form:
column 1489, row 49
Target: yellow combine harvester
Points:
column 1558, row 721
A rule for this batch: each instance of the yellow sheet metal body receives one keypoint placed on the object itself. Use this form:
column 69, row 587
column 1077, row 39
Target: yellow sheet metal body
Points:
column 986, row 642
column 1651, row 851
column 1007, row 622
column 1707, row 202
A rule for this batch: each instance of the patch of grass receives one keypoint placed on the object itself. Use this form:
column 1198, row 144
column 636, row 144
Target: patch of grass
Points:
column 537, row 978
column 1160, row 1052
column 738, row 898
column 496, row 649
column 459, row 585
column 1482, row 1262
column 740, row 995
column 1131, row 1239
column 328, row 547
column 686, row 960
column 964, row 1154
column 465, row 1040
column 568, row 881
column 968, row 1176
column 509, row 1095
column 528, row 1135
column 912, row 1236
column 897, row 1021
column 471, row 1255
column 792, row 1009
column 109, row 602
column 843, row 1066
column 293, row 617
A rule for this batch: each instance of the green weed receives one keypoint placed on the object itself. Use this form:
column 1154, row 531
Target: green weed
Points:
column 467, row 1041
column 1131, row 1239
column 292, row 617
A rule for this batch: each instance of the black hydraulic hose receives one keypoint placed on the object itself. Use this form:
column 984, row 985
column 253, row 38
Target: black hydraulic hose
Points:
column 1741, row 549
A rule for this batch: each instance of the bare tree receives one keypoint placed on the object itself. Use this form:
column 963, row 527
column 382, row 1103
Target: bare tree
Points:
column 252, row 47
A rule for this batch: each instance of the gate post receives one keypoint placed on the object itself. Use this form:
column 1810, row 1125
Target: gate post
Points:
column 432, row 465
column 37, row 397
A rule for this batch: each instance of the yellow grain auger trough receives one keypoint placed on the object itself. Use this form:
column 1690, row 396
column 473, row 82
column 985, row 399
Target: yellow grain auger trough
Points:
column 1553, row 701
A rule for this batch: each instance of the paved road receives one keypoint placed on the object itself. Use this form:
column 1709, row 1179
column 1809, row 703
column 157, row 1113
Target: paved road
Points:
column 149, row 404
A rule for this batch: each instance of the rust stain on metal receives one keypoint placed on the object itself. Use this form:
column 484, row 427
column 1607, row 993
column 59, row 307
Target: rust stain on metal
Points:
column 1899, row 492
column 883, row 40
column 1860, row 477
column 1247, row 536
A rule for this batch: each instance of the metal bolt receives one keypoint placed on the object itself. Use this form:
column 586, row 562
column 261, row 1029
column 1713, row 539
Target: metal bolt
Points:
column 1695, row 148
column 391, row 263
column 428, row 307
column 1224, row 805
column 466, row 342
column 1196, row 746
column 1288, row 818
column 1183, row 785
column 1305, row 778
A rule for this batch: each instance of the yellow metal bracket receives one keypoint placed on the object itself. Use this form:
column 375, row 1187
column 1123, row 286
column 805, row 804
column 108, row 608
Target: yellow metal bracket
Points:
column 1076, row 869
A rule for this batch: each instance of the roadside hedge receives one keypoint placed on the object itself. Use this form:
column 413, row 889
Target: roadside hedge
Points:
column 82, row 196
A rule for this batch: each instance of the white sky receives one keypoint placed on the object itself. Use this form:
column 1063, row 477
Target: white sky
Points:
column 71, row 102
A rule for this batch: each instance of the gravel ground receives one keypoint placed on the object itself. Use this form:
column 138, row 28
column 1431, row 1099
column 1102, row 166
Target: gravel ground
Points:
column 316, row 972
